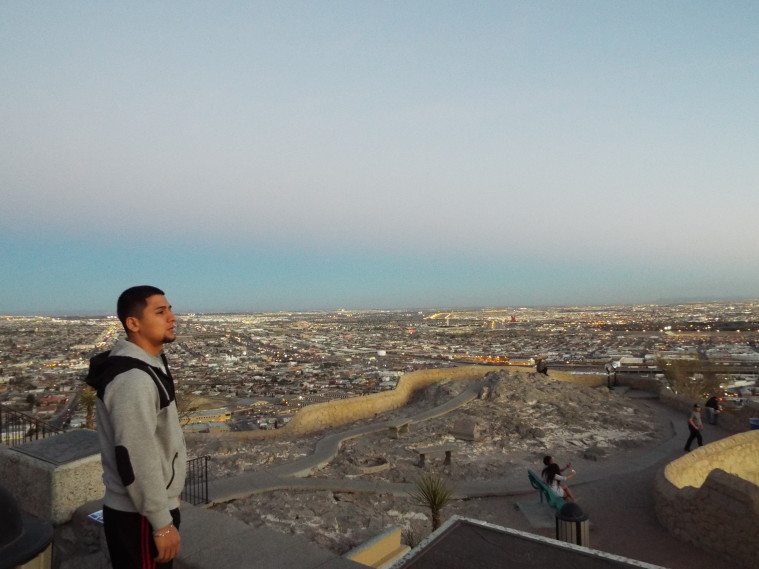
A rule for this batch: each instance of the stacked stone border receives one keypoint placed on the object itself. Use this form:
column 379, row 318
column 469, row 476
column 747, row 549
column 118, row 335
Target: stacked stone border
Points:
column 710, row 497
column 339, row 412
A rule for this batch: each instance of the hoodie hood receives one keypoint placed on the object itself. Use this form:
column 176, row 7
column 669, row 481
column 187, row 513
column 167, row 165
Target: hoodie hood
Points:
column 124, row 356
column 128, row 349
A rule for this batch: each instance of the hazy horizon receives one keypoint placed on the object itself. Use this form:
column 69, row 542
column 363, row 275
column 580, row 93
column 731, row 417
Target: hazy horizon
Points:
column 277, row 155
column 186, row 311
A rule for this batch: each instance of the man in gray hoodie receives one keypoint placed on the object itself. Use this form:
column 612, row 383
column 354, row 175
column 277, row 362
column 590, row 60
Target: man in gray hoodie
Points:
column 142, row 445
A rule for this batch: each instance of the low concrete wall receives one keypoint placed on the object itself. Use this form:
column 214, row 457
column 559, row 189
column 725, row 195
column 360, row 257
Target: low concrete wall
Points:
column 381, row 551
column 710, row 497
column 586, row 379
column 48, row 489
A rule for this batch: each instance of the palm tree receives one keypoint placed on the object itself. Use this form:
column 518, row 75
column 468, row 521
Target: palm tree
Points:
column 432, row 491
column 88, row 399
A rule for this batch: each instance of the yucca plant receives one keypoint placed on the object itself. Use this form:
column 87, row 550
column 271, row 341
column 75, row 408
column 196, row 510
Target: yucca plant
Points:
column 432, row 491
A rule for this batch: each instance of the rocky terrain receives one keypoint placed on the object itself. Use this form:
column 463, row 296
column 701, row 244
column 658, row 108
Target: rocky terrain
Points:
column 516, row 421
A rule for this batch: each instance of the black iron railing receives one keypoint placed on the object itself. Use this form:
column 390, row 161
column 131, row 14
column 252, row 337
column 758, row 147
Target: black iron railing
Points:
column 196, row 483
column 17, row 428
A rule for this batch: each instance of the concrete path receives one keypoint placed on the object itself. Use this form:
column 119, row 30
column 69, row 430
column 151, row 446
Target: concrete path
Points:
column 616, row 493
column 290, row 475
column 621, row 506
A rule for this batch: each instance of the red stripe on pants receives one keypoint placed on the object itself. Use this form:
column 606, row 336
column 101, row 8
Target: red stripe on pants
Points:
column 147, row 558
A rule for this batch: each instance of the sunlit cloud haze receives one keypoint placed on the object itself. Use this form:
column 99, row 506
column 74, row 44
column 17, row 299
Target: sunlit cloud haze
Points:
column 419, row 154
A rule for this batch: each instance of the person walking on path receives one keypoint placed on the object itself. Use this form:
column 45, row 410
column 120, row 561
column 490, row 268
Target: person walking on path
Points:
column 142, row 446
column 695, row 426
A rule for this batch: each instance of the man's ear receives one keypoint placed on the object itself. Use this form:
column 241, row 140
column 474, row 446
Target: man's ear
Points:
column 132, row 324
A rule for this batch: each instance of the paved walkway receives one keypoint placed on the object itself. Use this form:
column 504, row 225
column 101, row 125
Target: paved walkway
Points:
column 615, row 493
column 621, row 505
column 291, row 474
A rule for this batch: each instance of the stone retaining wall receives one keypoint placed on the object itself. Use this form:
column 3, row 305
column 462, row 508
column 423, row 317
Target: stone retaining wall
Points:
column 710, row 497
column 50, row 478
column 338, row 412
column 586, row 379
column 346, row 411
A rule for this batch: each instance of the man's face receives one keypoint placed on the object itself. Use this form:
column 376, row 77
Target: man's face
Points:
column 155, row 326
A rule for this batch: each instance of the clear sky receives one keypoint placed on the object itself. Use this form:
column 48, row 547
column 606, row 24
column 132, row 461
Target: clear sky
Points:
column 308, row 155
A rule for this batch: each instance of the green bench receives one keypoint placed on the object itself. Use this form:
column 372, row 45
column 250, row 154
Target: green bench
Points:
column 552, row 499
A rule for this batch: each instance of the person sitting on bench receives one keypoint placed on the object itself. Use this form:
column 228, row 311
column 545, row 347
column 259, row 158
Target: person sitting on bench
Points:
column 548, row 459
column 557, row 481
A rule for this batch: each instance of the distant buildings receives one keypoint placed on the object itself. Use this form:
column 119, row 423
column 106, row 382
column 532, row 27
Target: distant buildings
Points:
column 284, row 361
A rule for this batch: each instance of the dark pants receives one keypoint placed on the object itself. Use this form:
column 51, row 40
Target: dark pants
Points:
column 694, row 434
column 130, row 539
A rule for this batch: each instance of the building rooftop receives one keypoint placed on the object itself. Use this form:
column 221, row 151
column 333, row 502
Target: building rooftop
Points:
column 464, row 542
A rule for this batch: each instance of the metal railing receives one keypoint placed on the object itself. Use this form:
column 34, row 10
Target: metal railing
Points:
column 17, row 428
column 196, row 483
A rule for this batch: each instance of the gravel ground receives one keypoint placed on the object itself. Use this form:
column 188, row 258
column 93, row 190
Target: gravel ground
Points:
column 523, row 418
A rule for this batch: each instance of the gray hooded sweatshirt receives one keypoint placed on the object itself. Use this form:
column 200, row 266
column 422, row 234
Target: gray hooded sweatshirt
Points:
column 142, row 445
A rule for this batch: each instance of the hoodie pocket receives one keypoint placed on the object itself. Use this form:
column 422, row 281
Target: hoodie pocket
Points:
column 173, row 469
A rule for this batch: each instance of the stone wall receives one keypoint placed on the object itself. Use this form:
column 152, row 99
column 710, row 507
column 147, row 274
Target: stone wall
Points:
column 381, row 551
column 586, row 379
column 346, row 411
column 340, row 412
column 50, row 478
column 710, row 497
column 320, row 416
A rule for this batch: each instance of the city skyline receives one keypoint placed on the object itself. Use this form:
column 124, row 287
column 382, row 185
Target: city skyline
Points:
column 454, row 311
column 252, row 157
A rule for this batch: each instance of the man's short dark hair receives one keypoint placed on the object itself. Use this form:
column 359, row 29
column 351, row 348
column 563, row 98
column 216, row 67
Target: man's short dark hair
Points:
column 133, row 301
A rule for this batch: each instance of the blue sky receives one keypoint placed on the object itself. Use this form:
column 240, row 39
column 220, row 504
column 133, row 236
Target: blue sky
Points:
column 282, row 155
